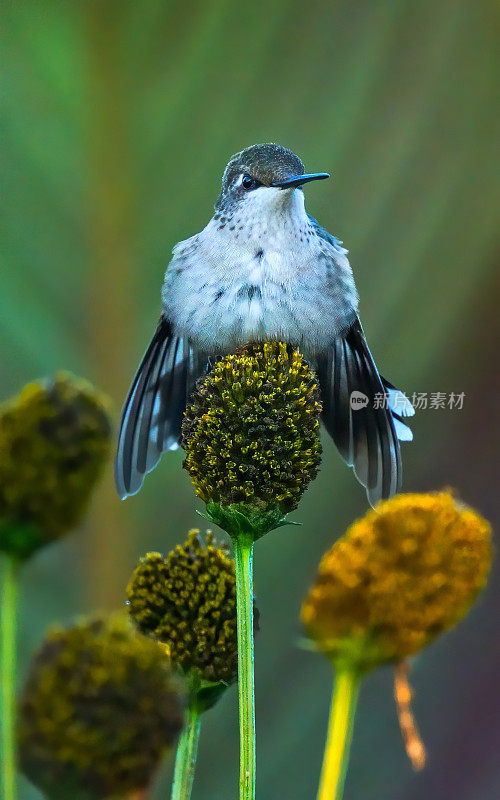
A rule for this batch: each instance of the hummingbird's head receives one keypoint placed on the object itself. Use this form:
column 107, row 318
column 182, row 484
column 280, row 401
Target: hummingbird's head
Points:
column 264, row 175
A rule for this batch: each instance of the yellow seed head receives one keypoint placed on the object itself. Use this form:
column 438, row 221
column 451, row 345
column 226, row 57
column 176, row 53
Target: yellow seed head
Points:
column 400, row 576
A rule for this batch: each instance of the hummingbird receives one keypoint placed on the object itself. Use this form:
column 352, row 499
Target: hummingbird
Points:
column 264, row 269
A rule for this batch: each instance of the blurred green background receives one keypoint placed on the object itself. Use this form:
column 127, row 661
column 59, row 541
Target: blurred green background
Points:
column 118, row 118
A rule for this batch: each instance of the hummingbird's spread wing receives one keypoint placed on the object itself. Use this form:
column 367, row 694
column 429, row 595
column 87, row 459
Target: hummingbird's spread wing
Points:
column 365, row 427
column 152, row 414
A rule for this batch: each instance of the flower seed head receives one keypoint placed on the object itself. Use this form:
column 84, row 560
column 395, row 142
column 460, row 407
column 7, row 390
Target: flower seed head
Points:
column 251, row 432
column 400, row 576
column 187, row 601
column 54, row 442
column 99, row 710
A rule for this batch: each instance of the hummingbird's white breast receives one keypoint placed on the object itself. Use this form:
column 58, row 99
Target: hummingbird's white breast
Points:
column 260, row 271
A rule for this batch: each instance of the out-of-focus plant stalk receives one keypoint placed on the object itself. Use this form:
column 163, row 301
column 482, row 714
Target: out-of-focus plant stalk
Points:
column 339, row 736
column 111, row 267
column 185, row 758
column 8, row 646
column 415, row 748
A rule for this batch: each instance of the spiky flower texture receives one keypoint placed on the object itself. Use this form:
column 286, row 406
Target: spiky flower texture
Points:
column 187, row 601
column 251, row 432
column 99, row 709
column 401, row 575
column 54, row 441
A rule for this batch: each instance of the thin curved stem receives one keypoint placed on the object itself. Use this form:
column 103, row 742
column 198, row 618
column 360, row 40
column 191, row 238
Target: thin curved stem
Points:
column 243, row 553
column 338, row 740
column 185, row 758
column 8, row 645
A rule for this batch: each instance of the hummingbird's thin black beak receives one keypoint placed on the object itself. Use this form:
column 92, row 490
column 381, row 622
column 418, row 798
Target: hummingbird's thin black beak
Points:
column 299, row 180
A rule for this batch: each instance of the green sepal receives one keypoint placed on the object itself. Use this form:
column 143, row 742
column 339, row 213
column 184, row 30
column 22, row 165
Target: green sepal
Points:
column 208, row 694
column 203, row 694
column 244, row 522
column 359, row 652
column 66, row 789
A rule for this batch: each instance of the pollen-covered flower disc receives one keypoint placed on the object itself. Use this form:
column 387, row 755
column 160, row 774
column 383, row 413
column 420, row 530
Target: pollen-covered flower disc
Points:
column 99, row 709
column 401, row 575
column 251, row 431
column 54, row 442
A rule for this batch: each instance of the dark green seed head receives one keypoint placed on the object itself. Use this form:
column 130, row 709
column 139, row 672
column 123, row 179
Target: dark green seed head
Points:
column 187, row 601
column 54, row 442
column 98, row 711
column 251, row 431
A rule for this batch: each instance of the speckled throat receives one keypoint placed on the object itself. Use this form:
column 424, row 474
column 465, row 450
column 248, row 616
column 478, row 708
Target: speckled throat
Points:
column 260, row 270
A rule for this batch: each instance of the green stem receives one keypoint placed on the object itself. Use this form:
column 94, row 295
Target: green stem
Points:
column 185, row 759
column 243, row 553
column 339, row 736
column 8, row 647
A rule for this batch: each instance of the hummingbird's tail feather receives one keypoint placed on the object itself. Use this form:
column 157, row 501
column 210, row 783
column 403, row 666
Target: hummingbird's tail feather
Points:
column 152, row 414
column 357, row 416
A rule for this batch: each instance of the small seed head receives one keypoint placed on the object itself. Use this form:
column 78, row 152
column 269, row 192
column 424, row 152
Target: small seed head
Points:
column 187, row 601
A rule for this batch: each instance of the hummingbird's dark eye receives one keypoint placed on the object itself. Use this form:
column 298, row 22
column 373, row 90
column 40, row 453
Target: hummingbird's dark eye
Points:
column 249, row 183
